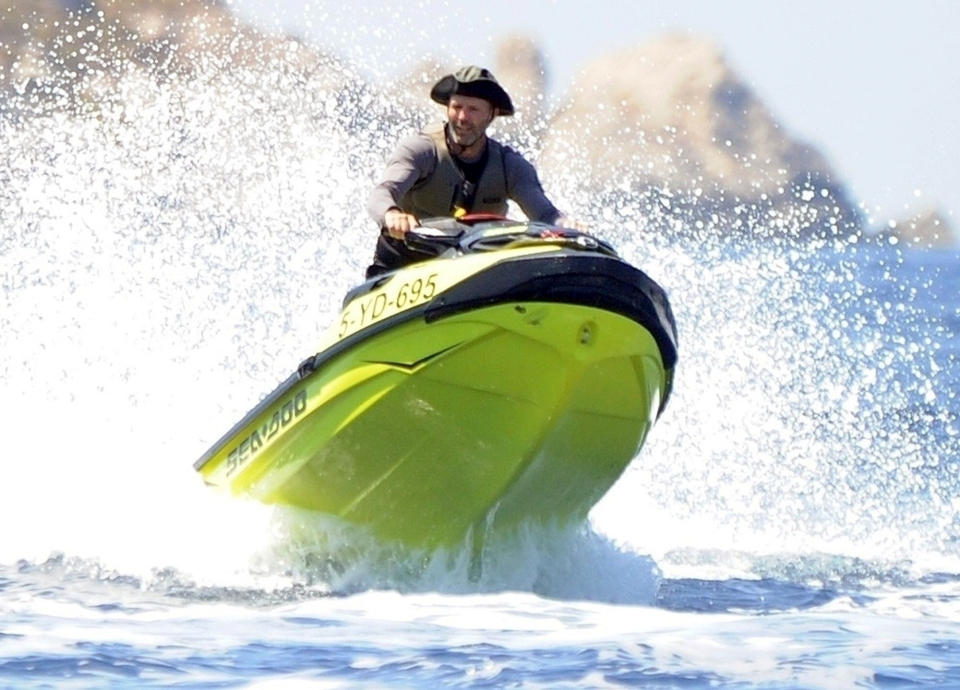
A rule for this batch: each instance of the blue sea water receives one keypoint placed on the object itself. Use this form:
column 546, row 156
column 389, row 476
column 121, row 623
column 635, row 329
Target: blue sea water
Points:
column 793, row 521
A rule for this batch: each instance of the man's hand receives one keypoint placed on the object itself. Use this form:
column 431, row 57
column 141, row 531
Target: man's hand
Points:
column 398, row 223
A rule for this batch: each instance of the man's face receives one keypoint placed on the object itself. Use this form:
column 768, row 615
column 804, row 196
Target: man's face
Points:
column 469, row 118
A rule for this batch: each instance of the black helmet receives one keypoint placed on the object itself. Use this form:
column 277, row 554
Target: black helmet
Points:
column 472, row 81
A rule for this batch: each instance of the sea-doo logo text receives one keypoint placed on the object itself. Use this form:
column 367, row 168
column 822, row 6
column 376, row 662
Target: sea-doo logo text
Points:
column 251, row 445
column 390, row 301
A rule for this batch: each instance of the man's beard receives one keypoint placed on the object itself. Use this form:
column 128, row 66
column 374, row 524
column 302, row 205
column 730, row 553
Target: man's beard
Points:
column 467, row 138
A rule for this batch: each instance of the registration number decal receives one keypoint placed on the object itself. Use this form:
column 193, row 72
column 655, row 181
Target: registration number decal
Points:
column 393, row 299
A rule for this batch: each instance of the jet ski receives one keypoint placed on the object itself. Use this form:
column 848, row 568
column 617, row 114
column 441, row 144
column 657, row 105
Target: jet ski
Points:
column 507, row 380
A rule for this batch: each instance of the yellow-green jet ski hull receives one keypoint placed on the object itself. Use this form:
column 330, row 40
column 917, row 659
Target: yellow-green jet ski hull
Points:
column 462, row 407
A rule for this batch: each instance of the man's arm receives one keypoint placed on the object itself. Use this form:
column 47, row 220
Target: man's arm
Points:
column 523, row 186
column 412, row 161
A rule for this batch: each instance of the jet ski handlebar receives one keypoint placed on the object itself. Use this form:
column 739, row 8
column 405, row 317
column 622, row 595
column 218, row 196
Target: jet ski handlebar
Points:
column 436, row 236
column 432, row 240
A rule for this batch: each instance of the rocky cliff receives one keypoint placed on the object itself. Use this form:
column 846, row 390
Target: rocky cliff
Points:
column 927, row 229
column 57, row 54
column 672, row 117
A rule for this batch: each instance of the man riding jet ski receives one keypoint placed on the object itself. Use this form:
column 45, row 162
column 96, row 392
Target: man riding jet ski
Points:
column 454, row 169
column 507, row 382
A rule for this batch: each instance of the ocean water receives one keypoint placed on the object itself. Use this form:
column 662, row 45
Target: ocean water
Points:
column 169, row 256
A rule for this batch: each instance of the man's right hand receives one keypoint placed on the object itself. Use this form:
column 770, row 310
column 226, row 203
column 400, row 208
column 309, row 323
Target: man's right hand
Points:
column 398, row 223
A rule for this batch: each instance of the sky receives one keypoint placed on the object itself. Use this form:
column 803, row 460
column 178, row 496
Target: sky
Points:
column 875, row 86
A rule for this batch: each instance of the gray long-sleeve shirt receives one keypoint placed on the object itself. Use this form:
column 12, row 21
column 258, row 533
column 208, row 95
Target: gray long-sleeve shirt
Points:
column 415, row 159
